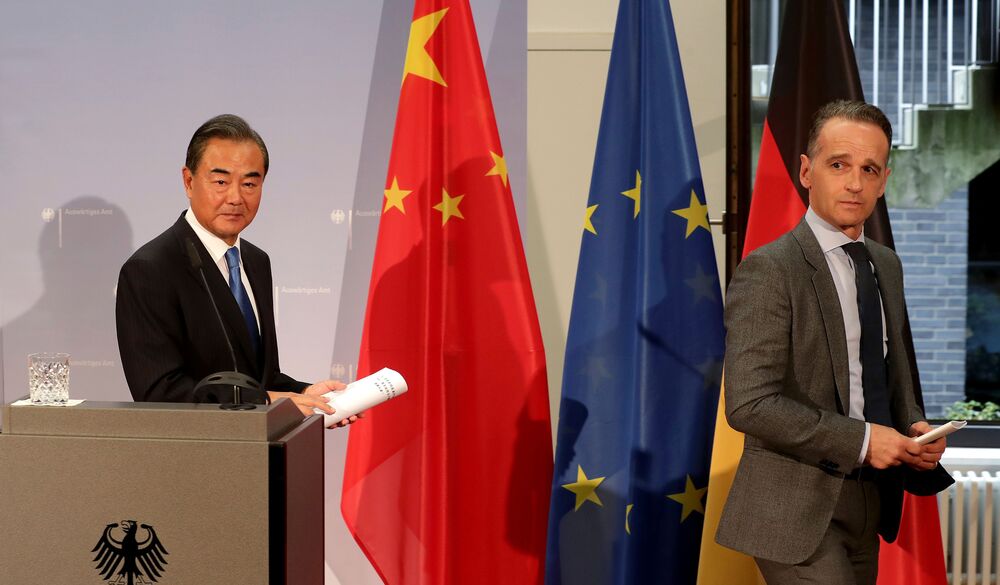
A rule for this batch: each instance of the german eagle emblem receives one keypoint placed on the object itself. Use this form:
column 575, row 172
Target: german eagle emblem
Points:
column 129, row 561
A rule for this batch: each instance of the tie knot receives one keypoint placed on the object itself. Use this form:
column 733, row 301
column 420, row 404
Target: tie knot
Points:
column 856, row 250
column 233, row 257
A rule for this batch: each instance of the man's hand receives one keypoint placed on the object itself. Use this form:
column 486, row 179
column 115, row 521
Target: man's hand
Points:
column 932, row 451
column 887, row 448
column 305, row 402
column 321, row 388
column 312, row 397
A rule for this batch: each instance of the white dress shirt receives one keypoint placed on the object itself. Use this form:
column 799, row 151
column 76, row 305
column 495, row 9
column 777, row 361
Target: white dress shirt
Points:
column 842, row 269
column 217, row 248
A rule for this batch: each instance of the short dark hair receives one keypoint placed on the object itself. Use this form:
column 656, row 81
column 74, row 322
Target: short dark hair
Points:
column 847, row 110
column 226, row 127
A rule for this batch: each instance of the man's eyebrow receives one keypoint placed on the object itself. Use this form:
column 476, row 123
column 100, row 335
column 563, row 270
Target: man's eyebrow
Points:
column 251, row 174
column 220, row 171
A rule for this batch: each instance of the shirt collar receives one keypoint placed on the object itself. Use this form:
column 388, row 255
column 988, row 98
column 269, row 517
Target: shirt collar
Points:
column 829, row 237
column 215, row 245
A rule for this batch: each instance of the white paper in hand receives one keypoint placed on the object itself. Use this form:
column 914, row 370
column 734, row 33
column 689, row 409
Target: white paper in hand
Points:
column 942, row 431
column 363, row 394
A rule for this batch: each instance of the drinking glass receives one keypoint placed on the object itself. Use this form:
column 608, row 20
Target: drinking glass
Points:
column 48, row 378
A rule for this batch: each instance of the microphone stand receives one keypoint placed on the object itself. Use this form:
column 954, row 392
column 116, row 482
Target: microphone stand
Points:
column 235, row 378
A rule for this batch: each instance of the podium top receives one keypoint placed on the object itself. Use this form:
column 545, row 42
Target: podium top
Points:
column 154, row 420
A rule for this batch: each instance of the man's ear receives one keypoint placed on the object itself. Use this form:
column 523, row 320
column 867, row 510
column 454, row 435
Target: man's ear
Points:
column 188, row 179
column 885, row 181
column 804, row 167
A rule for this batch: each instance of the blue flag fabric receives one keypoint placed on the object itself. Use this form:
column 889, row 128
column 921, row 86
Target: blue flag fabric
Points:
column 645, row 345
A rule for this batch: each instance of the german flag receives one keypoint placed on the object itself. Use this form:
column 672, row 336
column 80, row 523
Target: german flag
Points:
column 815, row 65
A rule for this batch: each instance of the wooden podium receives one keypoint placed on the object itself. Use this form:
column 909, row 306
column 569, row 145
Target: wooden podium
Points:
column 221, row 497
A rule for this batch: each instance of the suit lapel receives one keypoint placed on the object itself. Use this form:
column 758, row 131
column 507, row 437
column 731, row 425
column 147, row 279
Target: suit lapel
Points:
column 829, row 304
column 261, row 296
column 888, row 285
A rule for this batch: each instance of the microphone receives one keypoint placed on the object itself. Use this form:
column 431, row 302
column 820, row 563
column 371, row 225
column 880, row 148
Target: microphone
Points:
column 237, row 380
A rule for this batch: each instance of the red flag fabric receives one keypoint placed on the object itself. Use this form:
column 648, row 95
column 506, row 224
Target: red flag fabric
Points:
column 776, row 207
column 449, row 482
column 917, row 556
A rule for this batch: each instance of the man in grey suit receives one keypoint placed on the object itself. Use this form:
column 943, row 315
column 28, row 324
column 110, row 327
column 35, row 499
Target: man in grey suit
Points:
column 817, row 376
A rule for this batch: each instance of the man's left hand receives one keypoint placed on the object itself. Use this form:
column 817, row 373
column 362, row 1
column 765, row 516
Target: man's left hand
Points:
column 932, row 451
column 321, row 388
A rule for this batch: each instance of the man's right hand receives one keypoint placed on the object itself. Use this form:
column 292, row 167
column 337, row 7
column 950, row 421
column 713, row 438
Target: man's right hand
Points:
column 305, row 402
column 887, row 448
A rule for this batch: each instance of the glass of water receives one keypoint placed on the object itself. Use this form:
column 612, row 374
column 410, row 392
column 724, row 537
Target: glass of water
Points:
column 48, row 378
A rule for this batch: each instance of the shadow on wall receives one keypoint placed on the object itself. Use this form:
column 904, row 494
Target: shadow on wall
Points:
column 345, row 562
column 81, row 249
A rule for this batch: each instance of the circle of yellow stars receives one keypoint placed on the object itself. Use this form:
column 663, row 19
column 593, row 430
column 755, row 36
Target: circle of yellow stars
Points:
column 585, row 490
column 696, row 213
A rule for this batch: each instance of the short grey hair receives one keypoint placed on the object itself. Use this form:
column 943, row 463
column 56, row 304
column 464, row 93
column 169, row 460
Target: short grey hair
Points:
column 226, row 127
column 853, row 111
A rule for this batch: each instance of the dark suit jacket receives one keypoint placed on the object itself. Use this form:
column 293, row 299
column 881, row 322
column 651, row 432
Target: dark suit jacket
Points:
column 168, row 335
column 788, row 389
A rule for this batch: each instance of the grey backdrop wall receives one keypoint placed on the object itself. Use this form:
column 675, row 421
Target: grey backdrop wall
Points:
column 97, row 103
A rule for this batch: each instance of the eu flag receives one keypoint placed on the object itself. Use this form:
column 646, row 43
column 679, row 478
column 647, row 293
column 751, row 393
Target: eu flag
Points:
column 645, row 345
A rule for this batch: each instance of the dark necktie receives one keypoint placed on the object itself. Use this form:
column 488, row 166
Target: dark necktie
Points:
column 873, row 371
column 242, row 298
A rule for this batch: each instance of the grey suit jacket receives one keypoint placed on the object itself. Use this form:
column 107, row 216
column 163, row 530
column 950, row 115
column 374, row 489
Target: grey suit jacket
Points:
column 788, row 389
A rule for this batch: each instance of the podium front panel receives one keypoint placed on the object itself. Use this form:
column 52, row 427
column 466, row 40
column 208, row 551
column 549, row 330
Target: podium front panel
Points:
column 193, row 509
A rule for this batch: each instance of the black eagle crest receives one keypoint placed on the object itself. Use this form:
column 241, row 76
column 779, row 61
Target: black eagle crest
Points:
column 128, row 559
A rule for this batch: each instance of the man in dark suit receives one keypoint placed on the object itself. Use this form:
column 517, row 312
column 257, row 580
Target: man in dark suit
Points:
column 817, row 376
column 168, row 335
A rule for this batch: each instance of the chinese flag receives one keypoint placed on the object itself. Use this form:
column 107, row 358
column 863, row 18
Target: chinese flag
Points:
column 449, row 483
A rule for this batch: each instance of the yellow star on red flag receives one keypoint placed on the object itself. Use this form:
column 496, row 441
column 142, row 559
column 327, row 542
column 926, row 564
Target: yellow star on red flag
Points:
column 449, row 207
column 418, row 60
column 499, row 167
column 394, row 197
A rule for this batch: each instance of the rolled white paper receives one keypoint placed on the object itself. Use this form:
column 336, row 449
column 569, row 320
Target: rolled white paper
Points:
column 942, row 431
column 363, row 394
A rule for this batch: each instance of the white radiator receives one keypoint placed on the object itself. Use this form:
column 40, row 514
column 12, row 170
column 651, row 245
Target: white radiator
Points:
column 969, row 522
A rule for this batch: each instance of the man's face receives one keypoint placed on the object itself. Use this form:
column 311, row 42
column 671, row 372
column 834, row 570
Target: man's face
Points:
column 847, row 173
column 225, row 189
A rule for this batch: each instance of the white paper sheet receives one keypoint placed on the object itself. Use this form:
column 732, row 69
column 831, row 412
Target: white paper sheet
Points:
column 363, row 394
column 27, row 402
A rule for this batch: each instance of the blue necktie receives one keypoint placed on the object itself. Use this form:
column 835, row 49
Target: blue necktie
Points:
column 242, row 299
